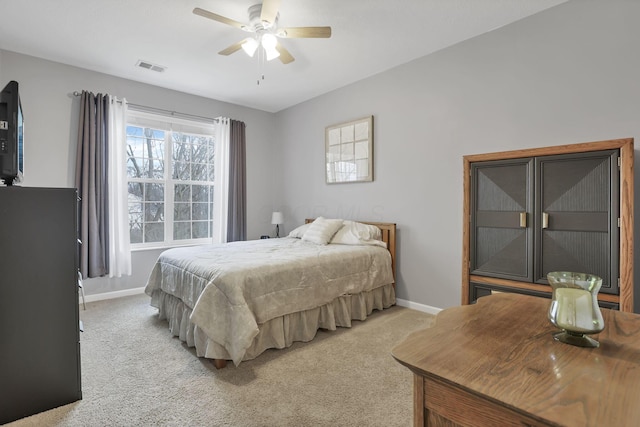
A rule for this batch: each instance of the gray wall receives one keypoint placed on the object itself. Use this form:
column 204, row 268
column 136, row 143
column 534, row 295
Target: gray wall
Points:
column 51, row 121
column 566, row 75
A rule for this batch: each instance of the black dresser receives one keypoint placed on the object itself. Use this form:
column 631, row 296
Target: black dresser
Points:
column 39, row 312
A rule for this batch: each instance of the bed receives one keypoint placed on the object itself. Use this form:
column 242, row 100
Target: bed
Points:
column 233, row 301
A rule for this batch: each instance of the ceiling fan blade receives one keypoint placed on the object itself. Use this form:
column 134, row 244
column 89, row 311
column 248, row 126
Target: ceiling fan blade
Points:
column 285, row 57
column 233, row 48
column 304, row 32
column 270, row 10
column 219, row 18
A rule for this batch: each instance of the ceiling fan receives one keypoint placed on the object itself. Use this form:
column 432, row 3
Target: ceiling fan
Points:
column 263, row 23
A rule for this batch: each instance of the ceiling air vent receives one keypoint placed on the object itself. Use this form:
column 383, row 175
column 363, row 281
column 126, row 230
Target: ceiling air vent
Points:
column 149, row 66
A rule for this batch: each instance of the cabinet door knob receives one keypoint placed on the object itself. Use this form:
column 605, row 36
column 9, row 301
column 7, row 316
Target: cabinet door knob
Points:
column 523, row 219
column 545, row 220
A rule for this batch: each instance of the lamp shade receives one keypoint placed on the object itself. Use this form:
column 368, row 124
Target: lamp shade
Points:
column 250, row 46
column 272, row 53
column 277, row 218
column 269, row 43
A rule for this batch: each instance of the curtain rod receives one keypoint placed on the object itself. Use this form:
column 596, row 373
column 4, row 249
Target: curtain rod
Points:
column 161, row 111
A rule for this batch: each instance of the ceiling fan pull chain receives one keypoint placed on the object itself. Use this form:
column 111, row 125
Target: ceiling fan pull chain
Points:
column 261, row 64
column 258, row 67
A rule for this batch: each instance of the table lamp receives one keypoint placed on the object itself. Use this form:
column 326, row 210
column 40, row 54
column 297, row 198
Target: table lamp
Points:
column 277, row 218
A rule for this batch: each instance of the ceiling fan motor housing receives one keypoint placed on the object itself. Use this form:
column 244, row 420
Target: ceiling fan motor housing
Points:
column 255, row 23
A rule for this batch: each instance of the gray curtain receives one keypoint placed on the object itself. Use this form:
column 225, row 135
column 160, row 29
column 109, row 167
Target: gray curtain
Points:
column 237, row 214
column 91, row 182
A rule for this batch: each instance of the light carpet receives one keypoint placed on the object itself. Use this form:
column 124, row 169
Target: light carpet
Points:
column 135, row 374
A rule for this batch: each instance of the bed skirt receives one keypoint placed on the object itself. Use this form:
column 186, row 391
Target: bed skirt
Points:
column 280, row 332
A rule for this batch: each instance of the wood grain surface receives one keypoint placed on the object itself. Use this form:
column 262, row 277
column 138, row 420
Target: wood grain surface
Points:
column 500, row 355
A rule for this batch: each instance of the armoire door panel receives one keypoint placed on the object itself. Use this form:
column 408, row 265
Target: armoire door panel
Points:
column 575, row 185
column 574, row 194
column 502, row 200
column 502, row 252
column 574, row 251
column 503, row 186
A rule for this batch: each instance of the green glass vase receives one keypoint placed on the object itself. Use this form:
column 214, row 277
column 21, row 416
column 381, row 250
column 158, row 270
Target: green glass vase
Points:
column 574, row 307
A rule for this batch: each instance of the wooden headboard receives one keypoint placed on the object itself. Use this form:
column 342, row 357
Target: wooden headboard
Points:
column 388, row 236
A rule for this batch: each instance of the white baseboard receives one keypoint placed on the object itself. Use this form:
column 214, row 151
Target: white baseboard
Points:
column 417, row 306
column 137, row 291
column 112, row 295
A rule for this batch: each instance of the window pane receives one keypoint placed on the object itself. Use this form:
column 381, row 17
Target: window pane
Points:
column 136, row 191
column 135, row 208
column 181, row 212
column 200, row 229
column 192, row 157
column 181, row 152
column 154, row 192
column 212, row 156
column 211, row 189
column 179, row 137
column 155, row 149
column 181, row 171
column 154, row 232
column 135, row 196
column 135, row 232
column 181, row 230
column 145, row 147
column 200, row 152
column 153, row 212
column 135, row 147
column 134, row 167
column 200, row 211
column 134, row 130
column 152, row 168
column 145, row 152
column 200, row 193
column 199, row 172
column 182, row 193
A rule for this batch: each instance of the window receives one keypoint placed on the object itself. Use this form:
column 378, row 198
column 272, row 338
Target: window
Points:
column 170, row 174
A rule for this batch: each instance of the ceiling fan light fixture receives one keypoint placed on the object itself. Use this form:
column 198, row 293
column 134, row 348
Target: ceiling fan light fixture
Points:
column 263, row 23
column 272, row 53
column 250, row 46
column 269, row 43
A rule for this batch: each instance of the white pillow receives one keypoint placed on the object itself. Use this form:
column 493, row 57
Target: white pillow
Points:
column 322, row 230
column 299, row 231
column 357, row 233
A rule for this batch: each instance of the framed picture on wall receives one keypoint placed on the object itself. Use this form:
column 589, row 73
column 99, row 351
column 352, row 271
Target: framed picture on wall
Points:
column 349, row 151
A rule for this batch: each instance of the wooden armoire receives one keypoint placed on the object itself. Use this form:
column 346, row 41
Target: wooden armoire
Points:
column 562, row 208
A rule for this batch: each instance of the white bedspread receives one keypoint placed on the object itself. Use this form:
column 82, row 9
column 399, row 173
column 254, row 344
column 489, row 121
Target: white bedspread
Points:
column 234, row 287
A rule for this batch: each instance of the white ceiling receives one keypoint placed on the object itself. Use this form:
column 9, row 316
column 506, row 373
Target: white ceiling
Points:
column 368, row 37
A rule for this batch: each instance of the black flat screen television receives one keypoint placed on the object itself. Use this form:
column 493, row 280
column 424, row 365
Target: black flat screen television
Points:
column 11, row 135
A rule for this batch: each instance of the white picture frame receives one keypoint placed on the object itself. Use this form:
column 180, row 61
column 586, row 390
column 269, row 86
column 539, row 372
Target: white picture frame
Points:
column 349, row 151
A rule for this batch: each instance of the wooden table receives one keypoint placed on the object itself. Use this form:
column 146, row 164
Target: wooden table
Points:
column 495, row 363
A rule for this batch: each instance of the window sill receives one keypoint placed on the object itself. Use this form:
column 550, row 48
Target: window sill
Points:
column 165, row 247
